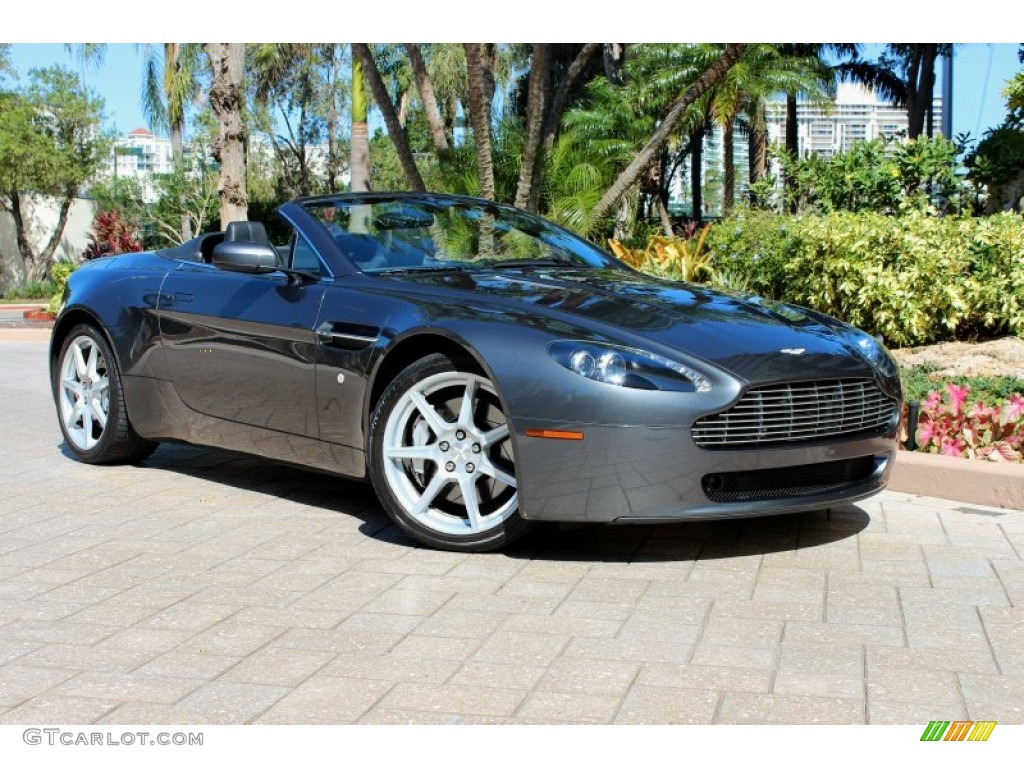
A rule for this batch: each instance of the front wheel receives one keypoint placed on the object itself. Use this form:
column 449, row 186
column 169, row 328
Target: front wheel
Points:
column 90, row 402
column 442, row 459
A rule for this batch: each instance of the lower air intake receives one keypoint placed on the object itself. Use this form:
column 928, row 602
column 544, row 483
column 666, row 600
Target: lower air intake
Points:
column 786, row 482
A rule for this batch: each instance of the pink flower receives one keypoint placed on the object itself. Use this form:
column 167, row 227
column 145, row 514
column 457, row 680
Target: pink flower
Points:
column 957, row 397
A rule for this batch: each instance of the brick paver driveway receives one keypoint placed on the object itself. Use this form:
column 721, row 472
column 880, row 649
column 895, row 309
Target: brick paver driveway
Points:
column 205, row 587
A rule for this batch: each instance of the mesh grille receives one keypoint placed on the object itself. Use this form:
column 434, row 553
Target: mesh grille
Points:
column 798, row 412
column 788, row 482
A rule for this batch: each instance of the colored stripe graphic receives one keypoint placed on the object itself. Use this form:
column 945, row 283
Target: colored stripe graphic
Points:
column 958, row 730
column 934, row 730
column 982, row 730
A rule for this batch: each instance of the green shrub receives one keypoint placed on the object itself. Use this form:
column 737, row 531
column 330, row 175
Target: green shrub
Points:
column 60, row 272
column 40, row 289
column 920, row 380
column 915, row 279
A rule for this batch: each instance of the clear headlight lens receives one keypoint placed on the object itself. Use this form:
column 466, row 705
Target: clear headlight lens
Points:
column 873, row 351
column 625, row 367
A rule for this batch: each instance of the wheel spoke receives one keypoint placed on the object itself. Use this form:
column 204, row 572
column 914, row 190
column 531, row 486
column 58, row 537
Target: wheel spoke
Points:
column 432, row 417
column 100, row 386
column 93, row 362
column 87, row 427
column 81, row 369
column 466, row 420
column 73, row 387
column 99, row 413
column 495, row 435
column 469, row 497
column 428, row 452
column 429, row 494
column 498, row 474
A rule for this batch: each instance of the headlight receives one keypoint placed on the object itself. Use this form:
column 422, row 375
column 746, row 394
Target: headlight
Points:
column 873, row 351
column 625, row 367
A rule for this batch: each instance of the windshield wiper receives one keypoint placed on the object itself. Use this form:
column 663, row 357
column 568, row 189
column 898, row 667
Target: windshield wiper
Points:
column 513, row 263
column 404, row 270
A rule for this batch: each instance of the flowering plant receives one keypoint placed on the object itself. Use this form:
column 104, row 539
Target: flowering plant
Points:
column 950, row 426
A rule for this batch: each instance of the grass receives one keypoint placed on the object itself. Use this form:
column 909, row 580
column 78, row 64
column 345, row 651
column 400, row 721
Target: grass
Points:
column 34, row 291
column 919, row 380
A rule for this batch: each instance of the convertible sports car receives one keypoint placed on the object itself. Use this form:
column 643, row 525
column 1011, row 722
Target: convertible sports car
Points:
column 482, row 367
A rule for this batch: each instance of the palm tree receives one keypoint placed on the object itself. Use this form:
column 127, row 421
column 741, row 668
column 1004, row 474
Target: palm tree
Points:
column 359, row 163
column 396, row 131
column 481, row 95
column 168, row 88
column 227, row 96
column 711, row 76
column 764, row 69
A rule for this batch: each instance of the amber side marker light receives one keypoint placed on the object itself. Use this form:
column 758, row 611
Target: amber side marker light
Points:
column 554, row 434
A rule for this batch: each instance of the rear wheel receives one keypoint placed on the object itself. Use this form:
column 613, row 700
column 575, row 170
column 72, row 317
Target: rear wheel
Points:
column 90, row 401
column 442, row 459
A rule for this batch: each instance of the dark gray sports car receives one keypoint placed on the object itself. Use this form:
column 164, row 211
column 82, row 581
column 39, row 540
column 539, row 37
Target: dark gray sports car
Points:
column 482, row 367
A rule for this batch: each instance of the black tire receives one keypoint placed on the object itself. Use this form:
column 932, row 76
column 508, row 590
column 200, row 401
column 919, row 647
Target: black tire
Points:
column 469, row 455
column 91, row 441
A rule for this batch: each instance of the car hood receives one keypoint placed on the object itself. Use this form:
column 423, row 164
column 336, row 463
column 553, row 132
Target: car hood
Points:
column 754, row 338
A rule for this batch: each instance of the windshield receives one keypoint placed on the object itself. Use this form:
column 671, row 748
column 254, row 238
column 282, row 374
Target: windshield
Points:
column 381, row 236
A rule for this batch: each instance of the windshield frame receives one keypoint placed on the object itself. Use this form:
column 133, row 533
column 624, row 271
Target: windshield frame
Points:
column 574, row 252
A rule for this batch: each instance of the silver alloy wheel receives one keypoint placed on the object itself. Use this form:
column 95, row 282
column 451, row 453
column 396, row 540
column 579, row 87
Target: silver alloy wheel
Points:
column 447, row 455
column 84, row 393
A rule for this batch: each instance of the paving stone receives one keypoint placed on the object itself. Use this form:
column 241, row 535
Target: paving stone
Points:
column 546, row 706
column 224, row 703
column 898, row 686
column 277, row 666
column 993, row 697
column 450, row 622
column 668, row 675
column 50, row 709
column 19, row 683
column 591, row 677
column 763, row 657
column 789, row 709
column 408, row 669
column 455, row 699
column 958, row 660
column 128, row 687
column 505, row 647
column 189, row 663
column 647, row 705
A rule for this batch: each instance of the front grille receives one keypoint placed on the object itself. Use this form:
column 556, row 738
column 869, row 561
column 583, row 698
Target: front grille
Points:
column 788, row 482
column 798, row 412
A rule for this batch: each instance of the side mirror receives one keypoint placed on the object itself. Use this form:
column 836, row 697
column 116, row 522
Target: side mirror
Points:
column 252, row 258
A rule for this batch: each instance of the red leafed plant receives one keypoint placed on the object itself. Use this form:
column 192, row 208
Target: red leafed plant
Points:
column 111, row 234
column 948, row 425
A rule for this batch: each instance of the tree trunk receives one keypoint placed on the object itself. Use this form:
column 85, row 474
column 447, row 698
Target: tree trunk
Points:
column 226, row 95
column 359, row 162
column 757, row 151
column 920, row 86
column 729, row 164
column 172, row 61
column 480, row 118
column 561, row 98
column 536, row 102
column 628, row 177
column 36, row 266
column 559, row 102
column 792, row 143
column 395, row 130
column 426, row 90
column 696, row 174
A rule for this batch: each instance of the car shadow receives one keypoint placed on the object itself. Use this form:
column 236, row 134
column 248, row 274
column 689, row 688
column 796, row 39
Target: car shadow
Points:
column 684, row 541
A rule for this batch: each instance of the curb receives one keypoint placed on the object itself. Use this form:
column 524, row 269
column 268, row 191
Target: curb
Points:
column 22, row 307
column 988, row 483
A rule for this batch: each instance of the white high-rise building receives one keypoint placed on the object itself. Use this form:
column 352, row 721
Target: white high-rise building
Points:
column 855, row 115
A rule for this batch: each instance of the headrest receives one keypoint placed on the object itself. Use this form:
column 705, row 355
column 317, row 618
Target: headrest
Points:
column 246, row 232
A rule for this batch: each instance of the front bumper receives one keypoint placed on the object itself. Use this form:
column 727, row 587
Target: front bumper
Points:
column 628, row 474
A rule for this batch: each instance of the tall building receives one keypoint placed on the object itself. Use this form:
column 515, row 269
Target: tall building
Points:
column 856, row 115
column 139, row 155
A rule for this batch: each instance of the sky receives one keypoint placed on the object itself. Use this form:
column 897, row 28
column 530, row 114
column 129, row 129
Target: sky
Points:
column 980, row 71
